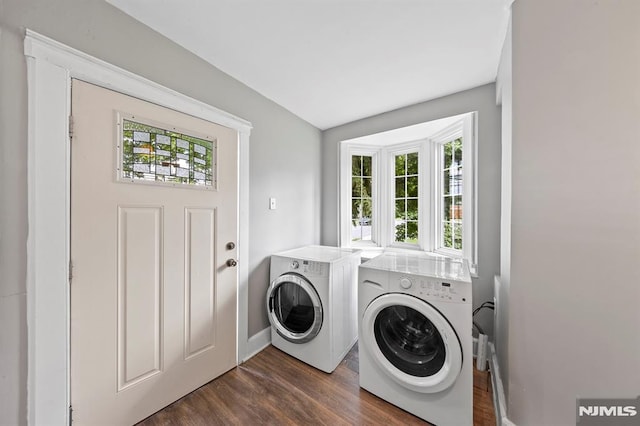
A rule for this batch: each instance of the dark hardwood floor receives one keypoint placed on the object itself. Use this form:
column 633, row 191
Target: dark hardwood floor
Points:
column 273, row 388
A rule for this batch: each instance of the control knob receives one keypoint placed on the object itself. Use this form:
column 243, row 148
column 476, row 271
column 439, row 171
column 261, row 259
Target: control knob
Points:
column 405, row 283
column 295, row 264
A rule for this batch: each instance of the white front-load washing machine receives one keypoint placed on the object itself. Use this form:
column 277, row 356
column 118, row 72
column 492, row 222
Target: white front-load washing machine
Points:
column 415, row 325
column 311, row 304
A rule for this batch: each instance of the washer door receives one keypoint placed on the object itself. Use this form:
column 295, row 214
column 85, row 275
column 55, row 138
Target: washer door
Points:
column 412, row 342
column 294, row 308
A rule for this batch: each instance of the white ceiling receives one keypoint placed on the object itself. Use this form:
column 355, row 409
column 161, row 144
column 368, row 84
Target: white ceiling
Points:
column 331, row 62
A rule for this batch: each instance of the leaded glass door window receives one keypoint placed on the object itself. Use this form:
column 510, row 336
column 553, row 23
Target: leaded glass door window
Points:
column 157, row 153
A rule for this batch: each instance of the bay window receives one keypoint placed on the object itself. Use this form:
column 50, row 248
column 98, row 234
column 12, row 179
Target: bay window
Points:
column 411, row 188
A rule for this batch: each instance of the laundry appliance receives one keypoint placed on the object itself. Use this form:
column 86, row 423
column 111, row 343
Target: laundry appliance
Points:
column 312, row 304
column 415, row 325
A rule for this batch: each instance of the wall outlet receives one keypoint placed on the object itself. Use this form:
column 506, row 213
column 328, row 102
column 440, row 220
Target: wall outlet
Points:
column 272, row 203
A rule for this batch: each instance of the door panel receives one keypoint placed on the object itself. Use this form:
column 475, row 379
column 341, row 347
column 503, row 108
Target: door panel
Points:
column 153, row 304
column 200, row 306
column 139, row 297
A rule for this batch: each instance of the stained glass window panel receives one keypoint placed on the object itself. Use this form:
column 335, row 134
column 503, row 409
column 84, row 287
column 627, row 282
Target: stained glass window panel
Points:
column 154, row 154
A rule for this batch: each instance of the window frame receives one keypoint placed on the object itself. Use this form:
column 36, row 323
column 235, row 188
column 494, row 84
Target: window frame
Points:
column 428, row 145
column 345, row 197
column 463, row 129
column 390, row 153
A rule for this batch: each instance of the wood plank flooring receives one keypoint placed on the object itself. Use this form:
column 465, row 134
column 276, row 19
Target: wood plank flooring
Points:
column 273, row 388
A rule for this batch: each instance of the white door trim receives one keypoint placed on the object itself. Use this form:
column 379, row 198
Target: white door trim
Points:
column 50, row 67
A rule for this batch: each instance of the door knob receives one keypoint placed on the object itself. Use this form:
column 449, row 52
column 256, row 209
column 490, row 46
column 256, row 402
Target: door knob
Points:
column 231, row 245
column 231, row 262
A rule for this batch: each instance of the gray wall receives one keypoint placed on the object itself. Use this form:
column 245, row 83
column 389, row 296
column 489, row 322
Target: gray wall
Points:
column 501, row 326
column 285, row 155
column 481, row 99
column 575, row 226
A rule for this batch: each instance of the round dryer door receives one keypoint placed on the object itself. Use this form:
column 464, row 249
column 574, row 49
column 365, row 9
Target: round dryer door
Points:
column 294, row 308
column 412, row 342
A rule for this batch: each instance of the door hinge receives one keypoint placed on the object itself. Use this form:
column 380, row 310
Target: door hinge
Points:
column 70, row 415
column 70, row 270
column 71, row 127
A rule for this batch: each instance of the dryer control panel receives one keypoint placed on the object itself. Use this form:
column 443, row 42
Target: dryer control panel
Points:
column 307, row 267
column 429, row 288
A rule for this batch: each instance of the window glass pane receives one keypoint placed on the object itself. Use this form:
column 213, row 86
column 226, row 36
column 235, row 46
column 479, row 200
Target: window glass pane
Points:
column 360, row 219
column 366, row 187
column 356, row 169
column 366, row 210
column 412, row 163
column 158, row 155
column 401, row 231
column 446, row 183
column 401, row 209
column 447, row 155
column 457, row 144
column 457, row 236
column 457, row 207
column 355, row 210
column 412, row 209
column 400, row 185
column 446, row 213
column 400, row 165
column 356, row 187
column 366, row 166
column 455, row 180
column 447, row 235
column 412, row 186
column 412, row 232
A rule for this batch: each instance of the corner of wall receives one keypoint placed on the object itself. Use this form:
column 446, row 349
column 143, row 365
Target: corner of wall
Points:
column 257, row 343
column 499, row 400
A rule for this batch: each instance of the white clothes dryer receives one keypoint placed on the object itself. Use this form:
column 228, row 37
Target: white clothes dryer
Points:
column 415, row 325
column 311, row 304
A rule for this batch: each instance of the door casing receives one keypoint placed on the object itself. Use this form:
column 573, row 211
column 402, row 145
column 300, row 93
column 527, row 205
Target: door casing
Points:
column 50, row 67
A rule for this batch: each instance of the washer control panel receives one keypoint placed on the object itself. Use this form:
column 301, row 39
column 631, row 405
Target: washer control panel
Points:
column 433, row 288
column 307, row 267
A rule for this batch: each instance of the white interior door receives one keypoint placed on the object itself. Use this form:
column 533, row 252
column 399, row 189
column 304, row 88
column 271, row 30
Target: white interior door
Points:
column 153, row 300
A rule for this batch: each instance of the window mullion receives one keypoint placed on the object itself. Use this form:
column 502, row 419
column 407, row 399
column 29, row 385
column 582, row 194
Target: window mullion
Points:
column 428, row 203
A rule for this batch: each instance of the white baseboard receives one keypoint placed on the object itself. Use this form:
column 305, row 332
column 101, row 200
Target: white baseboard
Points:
column 499, row 400
column 257, row 343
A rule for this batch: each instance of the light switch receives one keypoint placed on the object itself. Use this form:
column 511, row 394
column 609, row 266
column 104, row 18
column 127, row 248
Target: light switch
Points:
column 272, row 203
